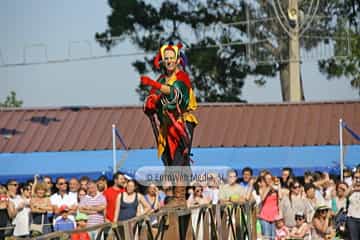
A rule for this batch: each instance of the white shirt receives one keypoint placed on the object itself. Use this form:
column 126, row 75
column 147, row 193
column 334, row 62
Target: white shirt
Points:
column 354, row 205
column 21, row 220
column 57, row 200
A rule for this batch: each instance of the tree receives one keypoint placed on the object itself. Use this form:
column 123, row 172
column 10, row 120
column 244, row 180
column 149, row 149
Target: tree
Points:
column 11, row 101
column 348, row 66
column 216, row 36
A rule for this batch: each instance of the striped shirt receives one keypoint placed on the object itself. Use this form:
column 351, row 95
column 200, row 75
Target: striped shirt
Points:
column 99, row 199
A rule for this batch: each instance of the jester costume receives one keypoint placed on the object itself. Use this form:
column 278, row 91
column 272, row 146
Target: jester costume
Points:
column 172, row 100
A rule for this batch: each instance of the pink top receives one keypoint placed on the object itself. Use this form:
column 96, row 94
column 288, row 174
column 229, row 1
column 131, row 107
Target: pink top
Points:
column 270, row 208
column 281, row 233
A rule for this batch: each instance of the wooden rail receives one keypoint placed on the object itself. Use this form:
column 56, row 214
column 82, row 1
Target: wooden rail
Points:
column 218, row 222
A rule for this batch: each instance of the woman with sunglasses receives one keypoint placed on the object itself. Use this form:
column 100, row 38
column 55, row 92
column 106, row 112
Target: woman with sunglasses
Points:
column 292, row 203
column 22, row 218
column 322, row 228
column 301, row 230
column 197, row 198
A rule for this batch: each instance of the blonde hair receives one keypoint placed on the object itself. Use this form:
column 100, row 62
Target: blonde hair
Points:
column 40, row 186
column 3, row 190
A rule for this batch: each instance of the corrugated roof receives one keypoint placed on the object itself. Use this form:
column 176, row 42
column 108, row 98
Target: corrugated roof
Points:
column 221, row 125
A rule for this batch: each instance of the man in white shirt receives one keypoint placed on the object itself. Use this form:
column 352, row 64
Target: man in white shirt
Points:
column 61, row 198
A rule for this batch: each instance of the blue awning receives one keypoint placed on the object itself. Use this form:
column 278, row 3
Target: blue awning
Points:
column 95, row 163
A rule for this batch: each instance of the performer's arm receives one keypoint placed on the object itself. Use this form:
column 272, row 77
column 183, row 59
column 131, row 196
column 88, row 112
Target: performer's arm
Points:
column 165, row 89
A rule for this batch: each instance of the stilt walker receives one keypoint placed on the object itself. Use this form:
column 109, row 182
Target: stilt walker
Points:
column 171, row 99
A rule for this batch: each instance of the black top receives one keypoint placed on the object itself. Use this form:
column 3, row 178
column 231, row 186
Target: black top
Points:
column 128, row 210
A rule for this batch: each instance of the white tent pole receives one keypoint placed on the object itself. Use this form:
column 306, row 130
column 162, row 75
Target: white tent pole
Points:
column 341, row 150
column 114, row 148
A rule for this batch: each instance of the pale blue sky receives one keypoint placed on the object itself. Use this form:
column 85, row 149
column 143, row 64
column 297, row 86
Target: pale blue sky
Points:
column 100, row 82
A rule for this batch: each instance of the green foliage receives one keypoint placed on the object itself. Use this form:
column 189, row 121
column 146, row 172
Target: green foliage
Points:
column 219, row 60
column 11, row 101
column 348, row 65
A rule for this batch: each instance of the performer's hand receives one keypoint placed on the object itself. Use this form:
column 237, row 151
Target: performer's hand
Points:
column 150, row 104
column 146, row 81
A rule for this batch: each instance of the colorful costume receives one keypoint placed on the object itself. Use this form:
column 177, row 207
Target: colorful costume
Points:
column 173, row 111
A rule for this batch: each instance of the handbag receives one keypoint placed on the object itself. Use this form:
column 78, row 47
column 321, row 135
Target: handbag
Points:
column 35, row 227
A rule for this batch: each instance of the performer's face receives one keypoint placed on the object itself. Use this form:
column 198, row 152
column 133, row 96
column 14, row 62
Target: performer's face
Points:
column 170, row 60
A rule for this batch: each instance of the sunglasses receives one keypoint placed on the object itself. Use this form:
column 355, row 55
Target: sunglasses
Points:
column 14, row 184
column 299, row 218
column 296, row 186
column 62, row 183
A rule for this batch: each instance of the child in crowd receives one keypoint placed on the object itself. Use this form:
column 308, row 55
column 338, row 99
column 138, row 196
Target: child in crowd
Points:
column 81, row 223
column 64, row 223
column 281, row 231
column 301, row 229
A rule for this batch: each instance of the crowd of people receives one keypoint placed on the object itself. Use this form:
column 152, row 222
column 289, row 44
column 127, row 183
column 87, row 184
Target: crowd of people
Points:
column 313, row 206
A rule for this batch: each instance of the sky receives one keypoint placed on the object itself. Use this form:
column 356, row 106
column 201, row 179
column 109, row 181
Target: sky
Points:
column 34, row 29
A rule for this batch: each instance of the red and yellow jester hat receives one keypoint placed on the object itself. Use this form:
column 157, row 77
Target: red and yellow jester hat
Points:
column 160, row 55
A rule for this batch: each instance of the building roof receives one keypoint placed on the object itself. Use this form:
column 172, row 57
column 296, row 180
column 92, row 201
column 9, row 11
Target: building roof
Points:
column 221, row 125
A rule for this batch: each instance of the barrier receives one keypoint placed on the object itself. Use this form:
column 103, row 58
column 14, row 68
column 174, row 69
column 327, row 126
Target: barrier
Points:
column 219, row 222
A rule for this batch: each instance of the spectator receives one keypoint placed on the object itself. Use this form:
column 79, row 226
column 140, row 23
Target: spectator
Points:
column 206, row 191
column 12, row 190
column 281, row 231
column 293, row 203
column 49, row 184
column 166, row 192
column 348, row 176
column 81, row 193
column 153, row 199
column 247, row 173
column 214, row 188
column 308, row 177
column 22, row 218
column 101, row 183
column 40, row 206
column 269, row 194
column 232, row 191
column 93, row 205
column 301, row 230
column 310, row 200
column 321, row 223
column 152, row 196
column 62, row 197
column 127, row 203
column 63, row 223
column 353, row 219
column 197, row 198
column 340, row 198
column 74, row 186
column 81, row 223
column 112, row 193
column 286, row 176
column 7, row 212
column 84, row 182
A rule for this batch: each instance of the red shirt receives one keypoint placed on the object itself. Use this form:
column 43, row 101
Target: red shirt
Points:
column 111, row 195
column 80, row 236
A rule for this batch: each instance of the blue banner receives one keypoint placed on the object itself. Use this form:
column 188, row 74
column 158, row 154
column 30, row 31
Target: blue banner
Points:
column 356, row 136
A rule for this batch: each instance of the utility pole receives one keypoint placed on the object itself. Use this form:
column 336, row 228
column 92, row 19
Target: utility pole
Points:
column 294, row 52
